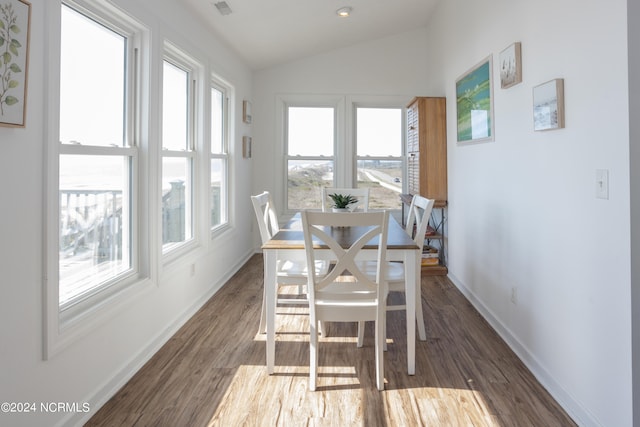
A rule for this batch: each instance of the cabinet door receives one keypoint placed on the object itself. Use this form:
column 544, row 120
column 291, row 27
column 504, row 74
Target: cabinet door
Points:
column 413, row 140
column 413, row 169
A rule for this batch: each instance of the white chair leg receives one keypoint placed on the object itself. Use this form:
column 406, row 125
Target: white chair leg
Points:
column 313, row 357
column 384, row 329
column 262, row 329
column 360, row 333
column 380, row 337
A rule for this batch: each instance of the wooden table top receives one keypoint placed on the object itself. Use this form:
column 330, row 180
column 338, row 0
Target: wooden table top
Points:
column 290, row 236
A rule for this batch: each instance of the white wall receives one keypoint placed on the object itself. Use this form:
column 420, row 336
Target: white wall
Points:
column 92, row 367
column 522, row 210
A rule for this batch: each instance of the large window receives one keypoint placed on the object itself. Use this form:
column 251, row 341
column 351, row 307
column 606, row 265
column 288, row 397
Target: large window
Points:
column 219, row 157
column 137, row 175
column 310, row 162
column 98, row 156
column 329, row 145
column 178, row 150
column 379, row 155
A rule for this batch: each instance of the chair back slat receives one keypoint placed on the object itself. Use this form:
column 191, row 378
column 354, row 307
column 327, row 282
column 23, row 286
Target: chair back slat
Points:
column 266, row 215
column 418, row 220
column 317, row 238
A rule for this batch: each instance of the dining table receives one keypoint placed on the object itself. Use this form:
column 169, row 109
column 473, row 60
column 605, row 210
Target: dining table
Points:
column 288, row 244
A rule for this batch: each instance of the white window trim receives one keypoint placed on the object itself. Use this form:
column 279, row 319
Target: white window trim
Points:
column 181, row 59
column 227, row 91
column 337, row 102
column 345, row 150
column 399, row 102
column 60, row 329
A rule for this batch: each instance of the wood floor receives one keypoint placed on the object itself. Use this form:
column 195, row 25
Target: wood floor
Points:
column 212, row 372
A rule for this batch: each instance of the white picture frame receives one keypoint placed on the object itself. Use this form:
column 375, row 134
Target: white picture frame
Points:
column 474, row 104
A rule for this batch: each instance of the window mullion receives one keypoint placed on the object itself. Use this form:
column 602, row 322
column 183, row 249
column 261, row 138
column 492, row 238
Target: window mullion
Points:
column 96, row 150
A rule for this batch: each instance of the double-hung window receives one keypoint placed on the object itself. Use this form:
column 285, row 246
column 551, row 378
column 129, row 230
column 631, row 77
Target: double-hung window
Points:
column 379, row 139
column 179, row 98
column 310, row 142
column 97, row 157
column 218, row 194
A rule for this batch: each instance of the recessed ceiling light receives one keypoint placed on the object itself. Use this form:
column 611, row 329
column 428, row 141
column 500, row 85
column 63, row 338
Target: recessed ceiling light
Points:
column 344, row 12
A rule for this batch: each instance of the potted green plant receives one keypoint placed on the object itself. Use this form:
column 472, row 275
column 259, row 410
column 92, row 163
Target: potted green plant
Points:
column 341, row 202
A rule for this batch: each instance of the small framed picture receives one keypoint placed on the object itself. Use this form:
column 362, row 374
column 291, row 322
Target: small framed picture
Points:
column 246, row 111
column 246, row 147
column 511, row 66
column 548, row 105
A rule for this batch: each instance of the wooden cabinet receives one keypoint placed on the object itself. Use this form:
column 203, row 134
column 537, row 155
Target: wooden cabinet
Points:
column 427, row 169
column 427, row 148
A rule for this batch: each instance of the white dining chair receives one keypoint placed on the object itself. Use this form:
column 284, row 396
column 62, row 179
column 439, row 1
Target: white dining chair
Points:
column 416, row 227
column 350, row 297
column 289, row 272
column 362, row 194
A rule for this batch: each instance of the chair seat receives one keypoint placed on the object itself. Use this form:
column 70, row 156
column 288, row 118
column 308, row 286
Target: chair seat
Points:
column 298, row 269
column 394, row 271
column 339, row 292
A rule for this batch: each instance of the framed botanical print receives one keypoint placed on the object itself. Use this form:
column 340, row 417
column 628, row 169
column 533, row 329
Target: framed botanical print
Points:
column 15, row 21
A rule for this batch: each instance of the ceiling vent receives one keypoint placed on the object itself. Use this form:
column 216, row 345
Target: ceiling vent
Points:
column 223, row 8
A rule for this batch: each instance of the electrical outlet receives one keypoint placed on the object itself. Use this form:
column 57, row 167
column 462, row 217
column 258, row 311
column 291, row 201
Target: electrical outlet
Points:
column 514, row 295
column 193, row 269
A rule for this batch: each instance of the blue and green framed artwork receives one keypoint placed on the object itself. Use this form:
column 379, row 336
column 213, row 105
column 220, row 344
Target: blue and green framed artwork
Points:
column 474, row 103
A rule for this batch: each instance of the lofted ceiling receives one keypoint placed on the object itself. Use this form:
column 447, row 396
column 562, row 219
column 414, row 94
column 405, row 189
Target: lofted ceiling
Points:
column 270, row 32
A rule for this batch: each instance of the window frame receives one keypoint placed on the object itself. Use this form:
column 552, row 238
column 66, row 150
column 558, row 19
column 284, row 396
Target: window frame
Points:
column 386, row 103
column 182, row 60
column 63, row 323
column 345, row 150
column 310, row 101
column 219, row 84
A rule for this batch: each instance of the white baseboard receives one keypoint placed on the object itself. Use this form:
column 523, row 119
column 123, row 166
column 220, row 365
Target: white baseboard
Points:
column 574, row 408
column 111, row 387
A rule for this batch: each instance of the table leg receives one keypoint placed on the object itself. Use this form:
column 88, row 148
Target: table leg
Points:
column 422, row 333
column 270, row 286
column 412, row 277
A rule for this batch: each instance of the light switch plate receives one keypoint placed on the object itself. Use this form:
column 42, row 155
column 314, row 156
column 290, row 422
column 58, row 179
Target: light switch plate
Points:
column 602, row 183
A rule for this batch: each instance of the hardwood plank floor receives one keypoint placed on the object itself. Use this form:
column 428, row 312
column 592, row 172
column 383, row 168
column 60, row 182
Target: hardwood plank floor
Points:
column 212, row 372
